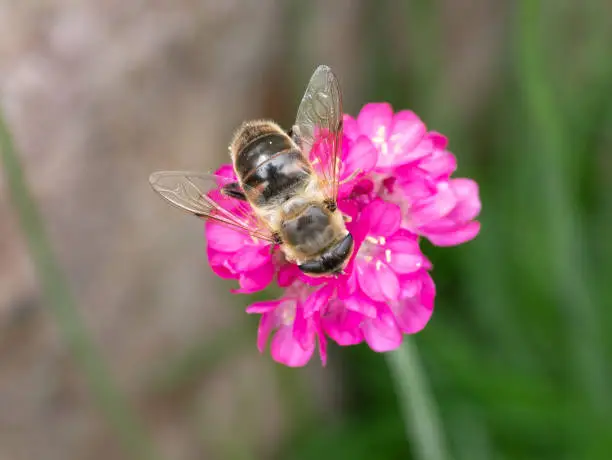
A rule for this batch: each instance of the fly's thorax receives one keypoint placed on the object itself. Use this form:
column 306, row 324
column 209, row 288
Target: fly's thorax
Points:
column 307, row 194
column 270, row 167
column 249, row 131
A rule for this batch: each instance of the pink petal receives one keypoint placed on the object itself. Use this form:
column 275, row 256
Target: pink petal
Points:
column 362, row 187
column 286, row 350
column 302, row 330
column 414, row 184
column 375, row 121
column 224, row 239
column 347, row 284
column 411, row 285
column 405, row 254
column 344, row 337
column 412, row 316
column 441, row 163
column 378, row 281
column 406, row 135
column 428, row 291
column 266, row 324
column 263, row 307
column 322, row 345
column 382, row 334
column 318, row 299
column 344, row 327
column 287, row 273
column 251, row 257
column 384, row 218
column 468, row 200
column 413, row 312
column 361, row 305
column 227, row 171
column 407, row 130
column 218, row 264
column 388, row 281
column 255, row 280
column 460, row 235
column 223, row 272
column 439, row 140
column 433, row 208
column 351, row 128
column 421, row 150
column 362, row 156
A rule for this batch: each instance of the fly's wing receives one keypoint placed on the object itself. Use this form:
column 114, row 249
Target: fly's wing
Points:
column 200, row 194
column 318, row 128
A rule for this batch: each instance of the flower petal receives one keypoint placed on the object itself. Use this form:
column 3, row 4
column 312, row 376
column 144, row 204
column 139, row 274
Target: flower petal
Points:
column 404, row 254
column 266, row 324
column 441, row 163
column 255, row 280
column 413, row 311
column 435, row 207
column 382, row 217
column 403, row 141
column 378, row 281
column 251, row 257
column 226, row 170
column 375, row 121
column 287, row 273
column 218, row 264
column 388, row 281
column 362, row 156
column 439, row 140
column 382, row 334
column 286, row 350
column 468, row 200
column 407, row 130
column 460, row 235
column 302, row 330
column 224, row 239
column 318, row 299
column 362, row 305
column 350, row 128
column 343, row 327
column 322, row 342
column 263, row 307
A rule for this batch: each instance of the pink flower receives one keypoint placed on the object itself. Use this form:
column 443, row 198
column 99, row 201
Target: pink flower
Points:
column 234, row 255
column 396, row 187
column 399, row 138
column 387, row 253
column 434, row 205
column 381, row 324
column 295, row 335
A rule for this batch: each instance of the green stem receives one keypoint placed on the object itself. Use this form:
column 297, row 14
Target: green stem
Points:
column 59, row 299
column 417, row 404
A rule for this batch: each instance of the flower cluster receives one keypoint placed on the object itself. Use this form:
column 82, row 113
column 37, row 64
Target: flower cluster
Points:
column 397, row 189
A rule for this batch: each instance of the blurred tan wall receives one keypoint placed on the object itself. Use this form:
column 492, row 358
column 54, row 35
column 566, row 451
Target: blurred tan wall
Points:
column 98, row 95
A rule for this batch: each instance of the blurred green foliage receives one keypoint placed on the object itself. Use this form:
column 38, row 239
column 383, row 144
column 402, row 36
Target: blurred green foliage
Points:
column 517, row 351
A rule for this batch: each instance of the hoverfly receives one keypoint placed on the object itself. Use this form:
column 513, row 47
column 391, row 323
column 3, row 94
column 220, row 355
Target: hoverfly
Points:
column 287, row 183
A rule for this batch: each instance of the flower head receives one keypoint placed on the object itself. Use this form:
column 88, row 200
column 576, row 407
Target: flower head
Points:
column 396, row 188
column 295, row 335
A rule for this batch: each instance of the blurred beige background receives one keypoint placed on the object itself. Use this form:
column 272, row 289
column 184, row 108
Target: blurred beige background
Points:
column 98, row 95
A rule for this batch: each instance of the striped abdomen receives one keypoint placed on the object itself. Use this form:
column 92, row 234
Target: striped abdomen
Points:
column 271, row 168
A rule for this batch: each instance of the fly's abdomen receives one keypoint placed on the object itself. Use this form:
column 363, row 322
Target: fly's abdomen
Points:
column 271, row 169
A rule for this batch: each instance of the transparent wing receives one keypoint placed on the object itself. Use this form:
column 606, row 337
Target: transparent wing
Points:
column 200, row 194
column 318, row 127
